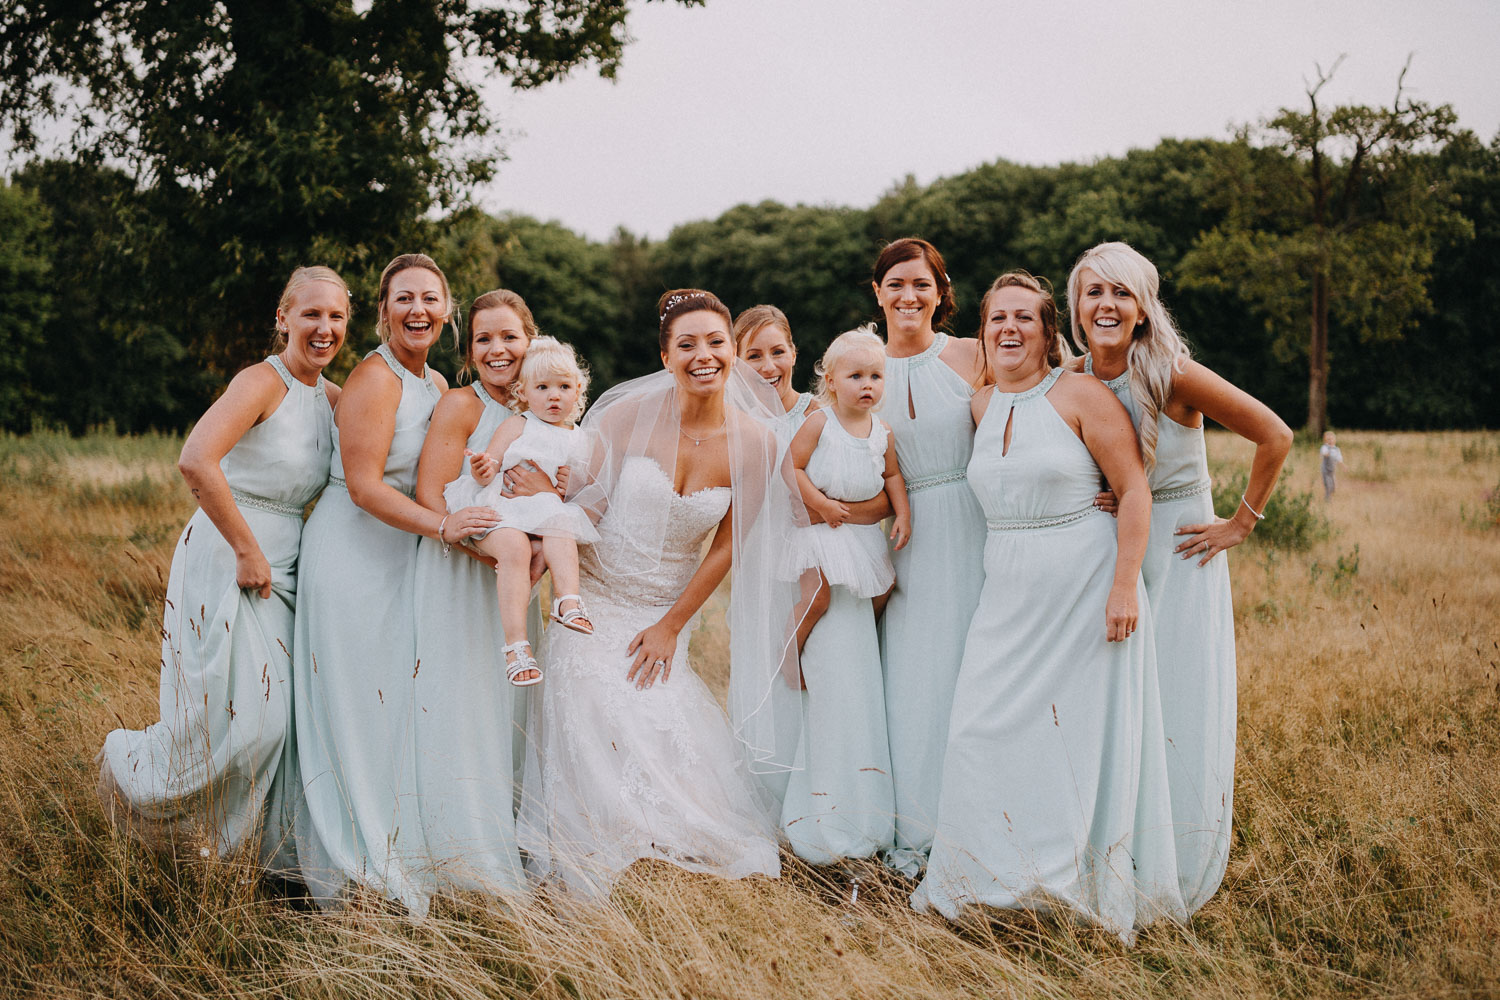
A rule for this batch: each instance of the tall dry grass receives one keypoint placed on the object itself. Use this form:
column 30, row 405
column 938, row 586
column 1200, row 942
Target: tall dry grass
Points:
column 1366, row 857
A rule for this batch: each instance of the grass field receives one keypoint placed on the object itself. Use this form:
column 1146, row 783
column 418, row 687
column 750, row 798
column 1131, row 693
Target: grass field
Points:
column 1366, row 857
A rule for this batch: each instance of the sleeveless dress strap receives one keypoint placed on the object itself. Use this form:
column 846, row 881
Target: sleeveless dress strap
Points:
column 286, row 376
column 1117, row 383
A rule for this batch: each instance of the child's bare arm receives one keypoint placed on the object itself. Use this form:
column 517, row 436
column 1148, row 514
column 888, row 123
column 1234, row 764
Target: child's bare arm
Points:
column 485, row 464
column 803, row 445
column 895, row 491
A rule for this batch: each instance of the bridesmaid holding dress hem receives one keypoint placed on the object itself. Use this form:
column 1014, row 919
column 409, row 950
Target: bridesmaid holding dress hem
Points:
column 220, row 763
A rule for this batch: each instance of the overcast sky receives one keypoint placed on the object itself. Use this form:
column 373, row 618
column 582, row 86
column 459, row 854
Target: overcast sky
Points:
column 833, row 101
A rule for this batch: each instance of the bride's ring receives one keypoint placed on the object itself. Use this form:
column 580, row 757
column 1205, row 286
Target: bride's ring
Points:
column 661, row 663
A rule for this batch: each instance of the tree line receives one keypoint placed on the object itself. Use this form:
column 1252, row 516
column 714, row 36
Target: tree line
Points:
column 1336, row 262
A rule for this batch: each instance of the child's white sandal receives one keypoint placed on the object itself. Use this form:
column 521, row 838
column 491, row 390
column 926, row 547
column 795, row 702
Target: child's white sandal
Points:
column 575, row 618
column 523, row 662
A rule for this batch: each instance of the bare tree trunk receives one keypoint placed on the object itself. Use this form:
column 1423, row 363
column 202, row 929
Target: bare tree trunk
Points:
column 1317, row 358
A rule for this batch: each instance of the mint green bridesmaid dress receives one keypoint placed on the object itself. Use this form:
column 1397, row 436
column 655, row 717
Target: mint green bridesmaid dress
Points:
column 355, row 676
column 219, row 764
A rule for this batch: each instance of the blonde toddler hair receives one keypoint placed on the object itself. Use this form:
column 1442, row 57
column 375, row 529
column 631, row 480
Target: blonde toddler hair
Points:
column 862, row 338
column 549, row 356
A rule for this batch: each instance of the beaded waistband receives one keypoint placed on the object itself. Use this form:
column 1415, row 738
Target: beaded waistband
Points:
column 941, row 479
column 266, row 504
column 344, row 485
column 1199, row 488
column 999, row 524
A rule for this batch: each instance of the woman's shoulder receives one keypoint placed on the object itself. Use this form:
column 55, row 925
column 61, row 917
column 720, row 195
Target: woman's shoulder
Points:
column 965, row 355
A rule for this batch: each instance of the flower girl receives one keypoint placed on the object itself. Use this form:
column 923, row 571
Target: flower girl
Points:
column 549, row 398
column 840, row 802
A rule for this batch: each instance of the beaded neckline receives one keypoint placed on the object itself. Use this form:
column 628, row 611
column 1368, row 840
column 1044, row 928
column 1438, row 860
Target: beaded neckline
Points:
column 800, row 406
column 1037, row 390
column 486, row 398
column 1120, row 381
column 939, row 340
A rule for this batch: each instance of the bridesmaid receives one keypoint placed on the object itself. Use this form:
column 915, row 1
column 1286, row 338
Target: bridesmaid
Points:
column 930, row 378
column 1135, row 348
column 1054, row 791
column 218, row 764
column 470, row 721
column 764, row 338
column 355, row 653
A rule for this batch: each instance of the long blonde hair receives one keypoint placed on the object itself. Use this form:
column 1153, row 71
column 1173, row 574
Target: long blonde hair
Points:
column 1157, row 351
column 549, row 356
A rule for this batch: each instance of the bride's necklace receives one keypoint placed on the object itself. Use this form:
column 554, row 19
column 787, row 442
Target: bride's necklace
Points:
column 699, row 440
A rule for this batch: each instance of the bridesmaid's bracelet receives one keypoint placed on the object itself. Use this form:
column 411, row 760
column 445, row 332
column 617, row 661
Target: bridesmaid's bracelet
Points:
column 444, row 524
column 1258, row 515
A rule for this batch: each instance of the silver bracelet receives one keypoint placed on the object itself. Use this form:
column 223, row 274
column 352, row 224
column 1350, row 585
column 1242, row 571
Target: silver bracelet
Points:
column 443, row 524
column 1258, row 515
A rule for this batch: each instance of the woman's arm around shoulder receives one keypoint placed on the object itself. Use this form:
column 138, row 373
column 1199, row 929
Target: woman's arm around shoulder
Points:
column 252, row 396
column 1104, row 426
column 453, row 420
column 1196, row 389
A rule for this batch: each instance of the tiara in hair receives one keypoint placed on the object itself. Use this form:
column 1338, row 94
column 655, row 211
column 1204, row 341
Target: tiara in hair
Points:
column 676, row 300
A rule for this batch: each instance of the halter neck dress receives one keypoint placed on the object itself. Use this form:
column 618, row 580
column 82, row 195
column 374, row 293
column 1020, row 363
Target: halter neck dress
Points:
column 1054, row 787
column 355, row 667
column 788, row 424
column 217, row 763
column 1195, row 655
column 839, row 800
column 470, row 720
column 938, row 577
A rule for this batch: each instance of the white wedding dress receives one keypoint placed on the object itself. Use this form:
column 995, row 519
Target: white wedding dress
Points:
column 615, row 774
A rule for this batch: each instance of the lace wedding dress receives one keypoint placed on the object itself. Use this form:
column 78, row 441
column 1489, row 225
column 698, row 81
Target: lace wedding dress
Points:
column 615, row 774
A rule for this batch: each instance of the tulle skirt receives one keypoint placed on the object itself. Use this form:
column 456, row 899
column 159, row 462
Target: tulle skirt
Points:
column 540, row 514
column 852, row 555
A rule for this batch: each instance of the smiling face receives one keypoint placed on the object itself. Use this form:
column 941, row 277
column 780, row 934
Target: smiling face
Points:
column 1015, row 338
column 908, row 295
column 699, row 352
column 858, row 380
column 769, row 351
column 552, row 396
column 497, row 343
column 414, row 309
column 1108, row 314
column 315, row 321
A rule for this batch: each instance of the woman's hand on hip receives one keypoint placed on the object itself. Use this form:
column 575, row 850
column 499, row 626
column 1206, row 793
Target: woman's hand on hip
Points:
column 653, row 650
column 1208, row 540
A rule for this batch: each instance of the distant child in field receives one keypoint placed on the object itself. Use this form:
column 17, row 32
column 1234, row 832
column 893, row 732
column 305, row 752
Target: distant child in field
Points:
column 1331, row 458
column 840, row 802
column 550, row 397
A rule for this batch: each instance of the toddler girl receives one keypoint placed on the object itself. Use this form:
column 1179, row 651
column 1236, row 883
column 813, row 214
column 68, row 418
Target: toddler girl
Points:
column 549, row 398
column 840, row 802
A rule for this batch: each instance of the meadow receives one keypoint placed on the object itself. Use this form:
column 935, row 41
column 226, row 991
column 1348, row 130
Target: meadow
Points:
column 1366, row 855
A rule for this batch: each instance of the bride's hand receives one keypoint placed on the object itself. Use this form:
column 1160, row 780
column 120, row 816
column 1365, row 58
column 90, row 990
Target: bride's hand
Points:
column 653, row 650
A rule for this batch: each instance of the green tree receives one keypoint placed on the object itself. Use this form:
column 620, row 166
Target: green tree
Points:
column 1331, row 215
column 271, row 133
column 25, row 260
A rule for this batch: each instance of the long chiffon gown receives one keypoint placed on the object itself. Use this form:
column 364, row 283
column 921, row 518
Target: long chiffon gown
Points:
column 219, row 764
column 615, row 774
column 839, row 801
column 1054, row 790
column 1194, row 615
column 355, row 668
column 470, row 720
column 938, row 577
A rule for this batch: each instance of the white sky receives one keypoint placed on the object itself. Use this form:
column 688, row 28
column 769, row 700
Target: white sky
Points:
column 833, row 101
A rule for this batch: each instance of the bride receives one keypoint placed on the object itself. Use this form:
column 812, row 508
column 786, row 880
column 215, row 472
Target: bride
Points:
column 630, row 756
